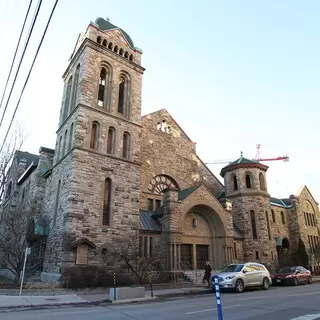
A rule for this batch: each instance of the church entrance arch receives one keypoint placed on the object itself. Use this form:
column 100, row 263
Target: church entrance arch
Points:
column 203, row 238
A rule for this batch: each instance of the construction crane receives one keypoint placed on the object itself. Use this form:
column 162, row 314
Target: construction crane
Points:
column 257, row 158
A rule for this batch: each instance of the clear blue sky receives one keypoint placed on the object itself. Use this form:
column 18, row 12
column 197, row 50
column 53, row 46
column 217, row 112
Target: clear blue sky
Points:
column 232, row 73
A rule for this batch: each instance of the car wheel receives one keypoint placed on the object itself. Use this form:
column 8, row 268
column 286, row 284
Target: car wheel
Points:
column 265, row 284
column 295, row 282
column 239, row 286
column 309, row 280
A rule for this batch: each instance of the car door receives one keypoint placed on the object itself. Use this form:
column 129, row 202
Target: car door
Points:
column 304, row 274
column 249, row 276
column 299, row 275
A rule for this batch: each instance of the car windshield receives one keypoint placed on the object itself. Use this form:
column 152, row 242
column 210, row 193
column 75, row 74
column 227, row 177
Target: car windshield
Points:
column 287, row 270
column 233, row 268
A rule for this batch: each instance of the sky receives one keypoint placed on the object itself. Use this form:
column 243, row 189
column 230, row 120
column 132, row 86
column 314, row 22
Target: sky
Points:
column 233, row 74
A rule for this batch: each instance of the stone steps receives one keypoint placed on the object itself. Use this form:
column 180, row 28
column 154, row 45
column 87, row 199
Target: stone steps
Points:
column 194, row 276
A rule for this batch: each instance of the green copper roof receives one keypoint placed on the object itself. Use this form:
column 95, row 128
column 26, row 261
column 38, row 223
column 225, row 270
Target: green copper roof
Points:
column 182, row 194
column 104, row 25
column 242, row 160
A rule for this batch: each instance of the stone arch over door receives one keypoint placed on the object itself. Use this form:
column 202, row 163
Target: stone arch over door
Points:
column 203, row 232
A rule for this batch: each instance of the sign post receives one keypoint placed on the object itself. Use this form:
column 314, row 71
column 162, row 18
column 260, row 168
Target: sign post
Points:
column 218, row 297
column 28, row 251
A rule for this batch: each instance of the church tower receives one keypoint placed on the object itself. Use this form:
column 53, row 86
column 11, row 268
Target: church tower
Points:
column 93, row 193
column 245, row 186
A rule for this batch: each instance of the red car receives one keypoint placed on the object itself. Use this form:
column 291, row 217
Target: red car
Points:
column 292, row 275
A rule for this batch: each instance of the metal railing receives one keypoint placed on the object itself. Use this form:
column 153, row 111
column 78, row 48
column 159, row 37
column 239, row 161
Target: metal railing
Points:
column 189, row 267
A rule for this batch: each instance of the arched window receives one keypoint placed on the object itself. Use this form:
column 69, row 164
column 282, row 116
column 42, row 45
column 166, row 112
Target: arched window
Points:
column 107, row 202
column 56, row 208
column 110, row 45
column 235, row 182
column 94, row 141
column 126, row 55
column 99, row 40
column 131, row 57
column 67, row 100
column 121, row 52
column 75, row 88
column 235, row 251
column 123, row 97
column 262, row 182
column 273, row 216
column 104, row 88
column 70, row 137
column 9, row 189
column 248, row 181
column 253, row 225
column 64, row 143
column 126, row 145
column 283, row 220
column 111, row 141
column 104, row 42
column 116, row 49
column 59, row 148
column 268, row 225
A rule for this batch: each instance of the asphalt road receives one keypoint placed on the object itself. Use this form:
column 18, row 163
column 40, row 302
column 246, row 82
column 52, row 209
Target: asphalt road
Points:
column 282, row 303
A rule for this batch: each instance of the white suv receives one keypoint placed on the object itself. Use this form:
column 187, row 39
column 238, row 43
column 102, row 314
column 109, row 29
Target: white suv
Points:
column 244, row 275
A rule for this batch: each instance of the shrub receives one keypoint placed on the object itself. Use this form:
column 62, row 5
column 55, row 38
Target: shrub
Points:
column 77, row 277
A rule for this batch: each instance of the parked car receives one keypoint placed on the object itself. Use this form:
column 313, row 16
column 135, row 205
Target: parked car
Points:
column 238, row 277
column 292, row 275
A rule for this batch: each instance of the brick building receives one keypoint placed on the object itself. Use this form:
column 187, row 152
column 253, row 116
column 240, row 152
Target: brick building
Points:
column 116, row 175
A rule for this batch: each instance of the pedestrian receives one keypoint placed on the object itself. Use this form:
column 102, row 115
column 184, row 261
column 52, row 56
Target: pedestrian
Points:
column 207, row 273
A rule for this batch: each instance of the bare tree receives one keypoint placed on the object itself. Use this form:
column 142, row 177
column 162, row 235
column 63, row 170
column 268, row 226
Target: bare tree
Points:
column 14, row 143
column 143, row 268
column 13, row 241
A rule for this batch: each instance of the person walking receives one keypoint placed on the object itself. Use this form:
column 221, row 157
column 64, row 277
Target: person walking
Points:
column 207, row 273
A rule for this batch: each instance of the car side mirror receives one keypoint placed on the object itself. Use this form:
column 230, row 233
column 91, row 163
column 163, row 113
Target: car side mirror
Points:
column 244, row 271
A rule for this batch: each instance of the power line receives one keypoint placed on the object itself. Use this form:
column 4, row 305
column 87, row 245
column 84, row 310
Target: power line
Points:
column 21, row 59
column 25, row 84
column 15, row 53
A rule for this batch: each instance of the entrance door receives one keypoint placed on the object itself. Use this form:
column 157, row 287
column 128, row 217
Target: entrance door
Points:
column 186, row 256
column 202, row 255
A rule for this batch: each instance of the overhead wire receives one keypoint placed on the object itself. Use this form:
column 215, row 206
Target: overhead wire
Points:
column 21, row 59
column 15, row 53
column 27, row 79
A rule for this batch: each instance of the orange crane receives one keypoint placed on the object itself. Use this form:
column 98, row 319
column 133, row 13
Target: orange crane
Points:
column 257, row 158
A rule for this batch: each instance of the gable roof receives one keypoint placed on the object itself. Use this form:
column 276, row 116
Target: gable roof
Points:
column 305, row 187
column 183, row 194
column 284, row 203
column 29, row 157
column 105, row 25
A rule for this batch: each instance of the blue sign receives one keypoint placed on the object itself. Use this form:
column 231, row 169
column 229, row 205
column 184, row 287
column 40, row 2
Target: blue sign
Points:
column 218, row 297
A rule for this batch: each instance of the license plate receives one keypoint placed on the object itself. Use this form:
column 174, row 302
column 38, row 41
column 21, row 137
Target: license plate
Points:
column 278, row 280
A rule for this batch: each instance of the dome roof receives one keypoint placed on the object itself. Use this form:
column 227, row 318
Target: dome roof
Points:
column 105, row 25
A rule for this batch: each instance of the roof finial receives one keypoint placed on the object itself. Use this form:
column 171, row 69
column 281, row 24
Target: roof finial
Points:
column 241, row 154
column 108, row 19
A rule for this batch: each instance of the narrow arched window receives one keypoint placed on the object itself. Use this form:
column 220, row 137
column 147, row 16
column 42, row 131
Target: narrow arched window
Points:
column 126, row 145
column 121, row 52
column 107, row 202
column 9, row 189
column 123, row 96
column 262, row 182
column 104, row 42
column 253, row 225
column 131, row 57
column 67, row 100
column 111, row 141
column 235, row 182
column 116, row 49
column 110, row 45
column 64, row 143
column 70, row 137
column 102, row 86
column 273, row 216
column 283, row 220
column 94, row 141
column 126, row 55
column 59, row 148
column 56, row 208
column 268, row 225
column 248, row 181
column 75, row 88
column 99, row 40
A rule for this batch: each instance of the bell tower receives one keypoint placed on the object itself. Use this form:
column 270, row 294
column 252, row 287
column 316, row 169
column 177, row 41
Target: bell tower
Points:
column 95, row 180
column 246, row 187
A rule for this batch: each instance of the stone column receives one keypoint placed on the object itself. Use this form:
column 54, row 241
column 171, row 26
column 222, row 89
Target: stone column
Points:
column 179, row 256
column 174, row 256
column 194, row 256
column 211, row 255
column 170, row 257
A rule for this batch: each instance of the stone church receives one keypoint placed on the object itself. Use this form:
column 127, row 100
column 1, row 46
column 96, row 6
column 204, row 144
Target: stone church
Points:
column 115, row 176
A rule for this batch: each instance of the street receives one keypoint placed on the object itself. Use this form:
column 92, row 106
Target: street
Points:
column 281, row 303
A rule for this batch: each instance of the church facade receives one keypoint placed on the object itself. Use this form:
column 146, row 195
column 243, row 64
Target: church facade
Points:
column 116, row 176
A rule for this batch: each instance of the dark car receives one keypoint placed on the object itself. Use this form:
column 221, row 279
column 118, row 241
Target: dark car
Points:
column 292, row 275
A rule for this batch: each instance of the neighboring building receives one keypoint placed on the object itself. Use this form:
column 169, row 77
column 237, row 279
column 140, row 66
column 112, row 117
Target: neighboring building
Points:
column 116, row 177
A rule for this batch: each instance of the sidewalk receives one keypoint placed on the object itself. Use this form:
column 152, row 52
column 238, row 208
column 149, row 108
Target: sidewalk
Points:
column 85, row 298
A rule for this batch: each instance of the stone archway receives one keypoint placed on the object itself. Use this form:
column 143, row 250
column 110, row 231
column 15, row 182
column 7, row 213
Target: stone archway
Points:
column 283, row 247
column 203, row 238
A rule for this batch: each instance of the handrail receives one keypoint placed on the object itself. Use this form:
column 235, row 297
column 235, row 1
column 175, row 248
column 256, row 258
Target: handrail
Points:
column 185, row 266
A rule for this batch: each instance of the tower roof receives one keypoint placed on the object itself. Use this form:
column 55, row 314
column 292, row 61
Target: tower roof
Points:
column 243, row 163
column 105, row 25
